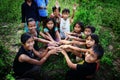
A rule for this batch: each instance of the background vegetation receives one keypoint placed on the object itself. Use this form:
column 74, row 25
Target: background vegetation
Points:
column 102, row 14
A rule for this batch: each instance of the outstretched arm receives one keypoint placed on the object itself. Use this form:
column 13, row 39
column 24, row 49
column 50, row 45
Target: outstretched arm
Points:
column 69, row 62
column 74, row 8
column 25, row 58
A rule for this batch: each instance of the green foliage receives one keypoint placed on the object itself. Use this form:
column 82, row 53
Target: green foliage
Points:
column 5, row 61
column 10, row 10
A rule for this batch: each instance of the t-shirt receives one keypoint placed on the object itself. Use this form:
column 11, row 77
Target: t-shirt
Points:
column 47, row 30
column 64, row 27
column 29, row 12
column 21, row 67
column 42, row 3
column 81, row 71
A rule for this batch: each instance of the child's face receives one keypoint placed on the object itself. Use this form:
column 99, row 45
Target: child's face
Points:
column 90, row 42
column 77, row 28
column 90, row 56
column 87, row 31
column 56, row 12
column 50, row 24
column 29, row 44
column 65, row 15
column 32, row 26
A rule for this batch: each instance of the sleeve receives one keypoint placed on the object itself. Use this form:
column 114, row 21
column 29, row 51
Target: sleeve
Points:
column 46, row 30
column 56, row 29
column 23, row 13
column 83, row 35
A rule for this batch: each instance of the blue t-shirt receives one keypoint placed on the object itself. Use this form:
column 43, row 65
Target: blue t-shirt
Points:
column 42, row 3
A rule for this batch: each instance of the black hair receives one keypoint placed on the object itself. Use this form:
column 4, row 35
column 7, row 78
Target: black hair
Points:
column 91, row 27
column 51, row 32
column 30, row 20
column 65, row 11
column 25, row 37
column 94, row 37
column 81, row 25
column 98, row 49
column 54, row 8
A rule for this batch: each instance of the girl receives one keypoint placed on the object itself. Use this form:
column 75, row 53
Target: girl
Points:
column 25, row 65
column 77, row 31
column 51, row 30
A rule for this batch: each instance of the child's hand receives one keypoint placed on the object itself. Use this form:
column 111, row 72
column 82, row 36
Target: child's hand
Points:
column 74, row 6
column 57, row 4
column 63, row 52
column 53, row 51
column 35, row 38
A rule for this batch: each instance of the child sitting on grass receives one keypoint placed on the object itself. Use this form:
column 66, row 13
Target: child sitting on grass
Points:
column 25, row 64
column 89, row 66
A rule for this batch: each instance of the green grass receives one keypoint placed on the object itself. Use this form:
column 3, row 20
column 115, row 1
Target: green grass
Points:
column 102, row 14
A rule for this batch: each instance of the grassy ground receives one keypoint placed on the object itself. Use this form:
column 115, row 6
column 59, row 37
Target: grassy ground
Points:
column 90, row 12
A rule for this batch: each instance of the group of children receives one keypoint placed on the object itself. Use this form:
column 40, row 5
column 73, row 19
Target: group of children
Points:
column 82, row 42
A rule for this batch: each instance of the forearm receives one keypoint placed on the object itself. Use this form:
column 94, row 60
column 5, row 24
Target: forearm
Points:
column 69, row 63
column 43, row 40
column 77, row 49
column 44, row 59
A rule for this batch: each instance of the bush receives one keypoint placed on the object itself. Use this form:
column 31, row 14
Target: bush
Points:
column 5, row 61
column 10, row 10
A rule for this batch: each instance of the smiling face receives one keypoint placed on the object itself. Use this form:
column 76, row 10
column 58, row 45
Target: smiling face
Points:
column 90, row 56
column 65, row 15
column 77, row 28
column 50, row 24
column 29, row 44
column 32, row 26
column 87, row 31
column 90, row 42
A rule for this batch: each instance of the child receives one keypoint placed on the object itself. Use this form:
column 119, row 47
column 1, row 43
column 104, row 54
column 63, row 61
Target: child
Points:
column 91, row 58
column 32, row 30
column 78, row 29
column 51, row 30
column 29, row 10
column 89, row 30
column 25, row 65
column 65, row 21
column 56, row 14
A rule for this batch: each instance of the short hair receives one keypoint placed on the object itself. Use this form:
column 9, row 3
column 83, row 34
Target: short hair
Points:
column 54, row 8
column 25, row 37
column 80, row 24
column 65, row 11
column 30, row 20
column 98, row 49
column 91, row 27
column 94, row 37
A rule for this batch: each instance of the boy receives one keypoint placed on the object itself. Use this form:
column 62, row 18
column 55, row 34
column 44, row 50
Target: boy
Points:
column 65, row 21
column 89, row 66
column 25, row 65
column 56, row 14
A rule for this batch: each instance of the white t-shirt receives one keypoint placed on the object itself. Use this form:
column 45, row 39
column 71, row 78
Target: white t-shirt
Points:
column 64, row 27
